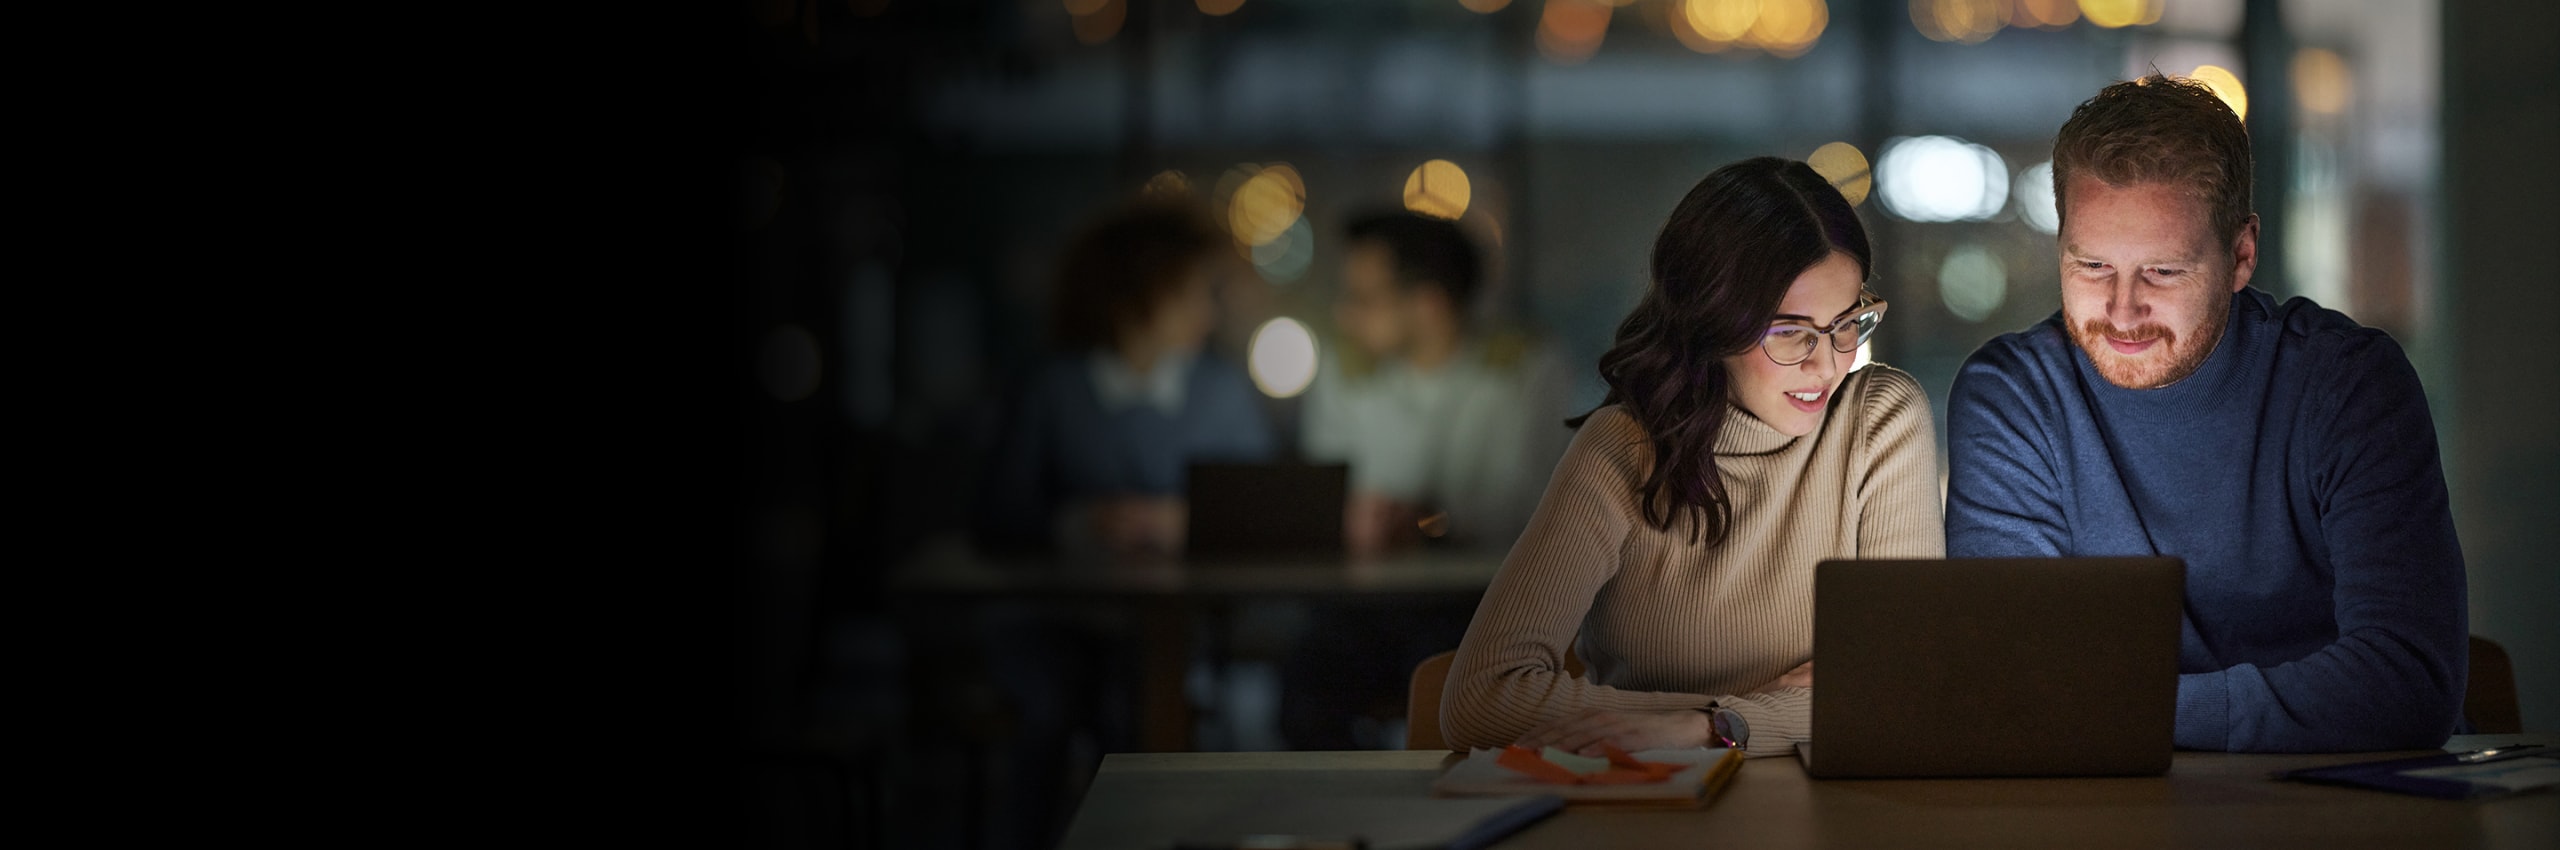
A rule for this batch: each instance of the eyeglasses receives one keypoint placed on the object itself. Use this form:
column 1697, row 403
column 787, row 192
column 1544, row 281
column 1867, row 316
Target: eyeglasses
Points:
column 1789, row 342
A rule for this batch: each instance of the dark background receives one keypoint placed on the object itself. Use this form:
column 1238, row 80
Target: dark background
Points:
column 884, row 182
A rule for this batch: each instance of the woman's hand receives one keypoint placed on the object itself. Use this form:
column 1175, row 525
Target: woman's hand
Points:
column 1800, row 677
column 1583, row 733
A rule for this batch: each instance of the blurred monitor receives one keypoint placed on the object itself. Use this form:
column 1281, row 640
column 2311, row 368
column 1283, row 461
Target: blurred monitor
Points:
column 1266, row 511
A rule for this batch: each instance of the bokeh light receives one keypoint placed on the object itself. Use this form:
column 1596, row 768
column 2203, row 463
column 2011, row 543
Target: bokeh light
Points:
column 1569, row 31
column 1941, row 178
column 1722, row 20
column 1972, row 282
column 2044, row 14
column 1438, row 189
column 1484, row 7
column 2034, row 190
column 1081, row 8
column 1789, row 27
column 1168, row 184
column 1219, row 7
column 2121, row 13
column 2321, row 81
column 2225, row 85
column 1282, row 357
column 1285, row 258
column 1266, row 203
column 1102, row 23
column 1683, row 23
column 1846, row 167
column 1964, row 21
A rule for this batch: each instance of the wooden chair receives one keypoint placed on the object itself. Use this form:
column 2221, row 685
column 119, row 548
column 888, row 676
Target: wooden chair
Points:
column 1422, row 699
column 2490, row 700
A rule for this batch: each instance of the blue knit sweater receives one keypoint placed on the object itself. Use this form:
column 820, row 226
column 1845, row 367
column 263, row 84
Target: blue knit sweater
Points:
column 2296, row 473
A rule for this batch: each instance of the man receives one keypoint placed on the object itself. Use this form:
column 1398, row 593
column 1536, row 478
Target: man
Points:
column 1451, row 433
column 2282, row 450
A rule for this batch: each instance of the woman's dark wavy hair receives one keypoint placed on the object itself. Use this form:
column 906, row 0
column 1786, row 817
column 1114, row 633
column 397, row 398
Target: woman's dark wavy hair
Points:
column 1720, row 267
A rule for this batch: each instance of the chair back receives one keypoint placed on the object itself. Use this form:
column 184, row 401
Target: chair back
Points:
column 2489, row 701
column 1422, row 699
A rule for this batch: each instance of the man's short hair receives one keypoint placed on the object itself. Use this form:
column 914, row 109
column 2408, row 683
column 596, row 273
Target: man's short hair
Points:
column 1427, row 250
column 2160, row 129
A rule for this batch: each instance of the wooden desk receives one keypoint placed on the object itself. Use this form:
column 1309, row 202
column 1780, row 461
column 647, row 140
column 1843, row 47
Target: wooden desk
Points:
column 2206, row 800
column 1171, row 598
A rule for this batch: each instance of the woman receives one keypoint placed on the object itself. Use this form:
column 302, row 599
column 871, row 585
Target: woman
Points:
column 1736, row 448
column 1094, row 459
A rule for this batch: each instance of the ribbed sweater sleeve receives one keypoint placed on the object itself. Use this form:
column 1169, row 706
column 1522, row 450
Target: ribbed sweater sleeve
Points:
column 1899, row 503
column 1509, row 674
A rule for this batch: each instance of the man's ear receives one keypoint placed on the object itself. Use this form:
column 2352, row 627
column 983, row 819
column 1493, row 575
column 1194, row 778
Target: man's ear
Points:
column 2244, row 254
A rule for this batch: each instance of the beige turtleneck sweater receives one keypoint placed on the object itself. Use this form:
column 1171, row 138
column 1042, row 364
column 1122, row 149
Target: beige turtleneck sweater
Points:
column 1665, row 623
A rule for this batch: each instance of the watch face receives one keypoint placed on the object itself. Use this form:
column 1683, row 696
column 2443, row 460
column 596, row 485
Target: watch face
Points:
column 1732, row 728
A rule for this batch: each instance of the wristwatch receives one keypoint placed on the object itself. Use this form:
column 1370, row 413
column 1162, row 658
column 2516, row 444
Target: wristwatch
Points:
column 1731, row 731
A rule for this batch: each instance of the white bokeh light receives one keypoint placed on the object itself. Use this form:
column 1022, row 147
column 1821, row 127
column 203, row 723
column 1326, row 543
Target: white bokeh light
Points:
column 1282, row 357
column 1972, row 283
column 1941, row 178
column 2035, row 198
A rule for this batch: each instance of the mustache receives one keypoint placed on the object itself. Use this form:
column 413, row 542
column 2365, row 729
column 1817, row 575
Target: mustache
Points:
column 2095, row 328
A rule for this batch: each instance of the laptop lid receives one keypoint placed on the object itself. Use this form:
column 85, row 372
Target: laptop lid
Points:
column 1995, row 667
column 1265, row 511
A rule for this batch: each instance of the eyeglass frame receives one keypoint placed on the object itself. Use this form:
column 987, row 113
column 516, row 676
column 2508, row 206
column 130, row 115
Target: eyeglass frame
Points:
column 1867, row 303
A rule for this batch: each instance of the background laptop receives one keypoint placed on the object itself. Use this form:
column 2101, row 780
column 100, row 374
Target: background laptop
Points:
column 1249, row 512
column 2001, row 667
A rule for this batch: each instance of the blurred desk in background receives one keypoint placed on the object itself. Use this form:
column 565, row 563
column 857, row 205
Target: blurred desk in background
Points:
column 1174, row 598
column 2206, row 800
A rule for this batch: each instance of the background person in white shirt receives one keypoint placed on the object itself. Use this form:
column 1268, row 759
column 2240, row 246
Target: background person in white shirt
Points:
column 1434, row 414
column 1451, row 428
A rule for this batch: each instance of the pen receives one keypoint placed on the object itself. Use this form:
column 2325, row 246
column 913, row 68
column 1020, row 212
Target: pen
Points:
column 2492, row 753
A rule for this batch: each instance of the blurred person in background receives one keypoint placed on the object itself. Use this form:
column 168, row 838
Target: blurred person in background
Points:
column 1093, row 458
column 1090, row 469
column 1449, row 428
column 1438, row 417
column 1673, row 551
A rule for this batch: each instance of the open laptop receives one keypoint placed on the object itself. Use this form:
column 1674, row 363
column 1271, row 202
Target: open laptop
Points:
column 1257, row 512
column 1997, row 667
